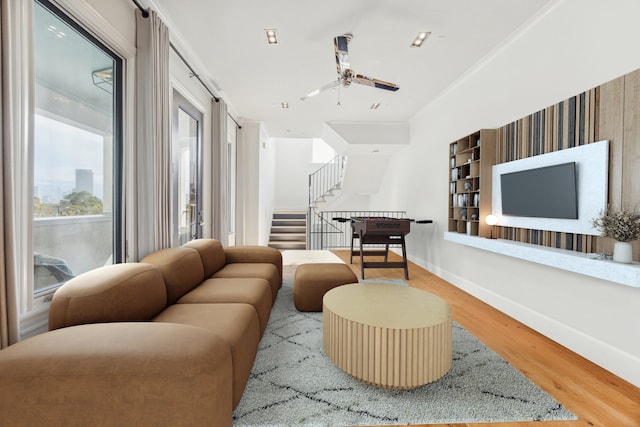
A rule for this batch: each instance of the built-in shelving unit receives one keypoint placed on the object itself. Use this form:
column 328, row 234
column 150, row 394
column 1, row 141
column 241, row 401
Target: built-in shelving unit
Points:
column 470, row 162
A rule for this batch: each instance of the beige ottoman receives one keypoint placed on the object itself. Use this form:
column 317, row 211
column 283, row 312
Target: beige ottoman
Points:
column 312, row 281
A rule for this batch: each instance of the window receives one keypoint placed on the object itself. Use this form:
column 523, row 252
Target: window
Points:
column 76, row 151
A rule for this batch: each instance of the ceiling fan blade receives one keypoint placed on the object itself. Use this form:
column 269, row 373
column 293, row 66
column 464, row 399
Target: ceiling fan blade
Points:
column 341, row 46
column 322, row 89
column 370, row 81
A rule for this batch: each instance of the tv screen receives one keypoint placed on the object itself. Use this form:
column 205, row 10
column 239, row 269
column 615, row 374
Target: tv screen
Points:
column 546, row 192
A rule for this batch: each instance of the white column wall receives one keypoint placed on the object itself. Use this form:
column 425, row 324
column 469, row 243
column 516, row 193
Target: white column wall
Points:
column 293, row 166
column 248, row 183
column 266, row 193
column 574, row 46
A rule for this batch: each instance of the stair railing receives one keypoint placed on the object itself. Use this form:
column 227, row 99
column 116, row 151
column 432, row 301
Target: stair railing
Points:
column 325, row 179
column 321, row 232
column 330, row 233
column 322, row 183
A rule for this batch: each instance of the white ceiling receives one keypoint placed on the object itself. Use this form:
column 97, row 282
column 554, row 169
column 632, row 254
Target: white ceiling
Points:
column 225, row 42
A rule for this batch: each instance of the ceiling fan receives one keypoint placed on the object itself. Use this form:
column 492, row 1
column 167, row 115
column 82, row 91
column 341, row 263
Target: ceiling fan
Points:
column 346, row 75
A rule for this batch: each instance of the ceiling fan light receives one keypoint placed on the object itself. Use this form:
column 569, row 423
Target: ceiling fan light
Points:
column 272, row 36
column 420, row 38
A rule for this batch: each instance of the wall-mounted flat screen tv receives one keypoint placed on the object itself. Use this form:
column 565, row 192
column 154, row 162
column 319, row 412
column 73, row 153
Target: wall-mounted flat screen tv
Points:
column 546, row 192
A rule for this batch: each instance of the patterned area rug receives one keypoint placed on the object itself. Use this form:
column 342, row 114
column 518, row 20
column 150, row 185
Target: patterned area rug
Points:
column 293, row 383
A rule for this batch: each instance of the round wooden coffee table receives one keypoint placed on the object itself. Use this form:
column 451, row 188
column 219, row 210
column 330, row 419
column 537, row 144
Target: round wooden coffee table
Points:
column 388, row 335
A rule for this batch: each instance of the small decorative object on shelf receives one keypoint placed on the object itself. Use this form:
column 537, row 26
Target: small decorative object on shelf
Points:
column 623, row 225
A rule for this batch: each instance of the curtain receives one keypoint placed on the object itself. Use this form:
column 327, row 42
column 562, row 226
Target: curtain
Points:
column 153, row 139
column 15, row 177
column 220, row 175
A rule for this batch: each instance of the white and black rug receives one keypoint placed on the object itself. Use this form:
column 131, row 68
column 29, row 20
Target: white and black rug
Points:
column 293, row 383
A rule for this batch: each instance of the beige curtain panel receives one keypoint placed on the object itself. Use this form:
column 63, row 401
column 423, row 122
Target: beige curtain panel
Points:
column 219, row 221
column 153, row 136
column 17, row 110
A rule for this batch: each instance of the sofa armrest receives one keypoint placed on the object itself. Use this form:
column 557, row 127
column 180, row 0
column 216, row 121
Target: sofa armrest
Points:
column 248, row 254
column 117, row 374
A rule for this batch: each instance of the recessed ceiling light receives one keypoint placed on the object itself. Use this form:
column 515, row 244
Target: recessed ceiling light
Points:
column 420, row 39
column 375, row 106
column 272, row 36
column 284, row 104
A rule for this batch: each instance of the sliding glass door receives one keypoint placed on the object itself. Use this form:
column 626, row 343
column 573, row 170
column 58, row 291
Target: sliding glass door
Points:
column 186, row 171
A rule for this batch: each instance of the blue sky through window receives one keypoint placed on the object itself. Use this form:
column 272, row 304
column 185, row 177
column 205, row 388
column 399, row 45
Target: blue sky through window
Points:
column 60, row 149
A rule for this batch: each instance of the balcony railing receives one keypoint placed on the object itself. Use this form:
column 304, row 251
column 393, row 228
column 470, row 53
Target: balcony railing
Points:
column 67, row 246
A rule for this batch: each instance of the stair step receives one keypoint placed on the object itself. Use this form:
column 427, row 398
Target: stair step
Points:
column 288, row 229
column 288, row 245
column 290, row 215
column 289, row 222
column 288, row 237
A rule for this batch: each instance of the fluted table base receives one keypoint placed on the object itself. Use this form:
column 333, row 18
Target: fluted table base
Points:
column 387, row 335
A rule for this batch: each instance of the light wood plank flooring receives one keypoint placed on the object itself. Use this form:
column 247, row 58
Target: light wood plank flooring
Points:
column 596, row 396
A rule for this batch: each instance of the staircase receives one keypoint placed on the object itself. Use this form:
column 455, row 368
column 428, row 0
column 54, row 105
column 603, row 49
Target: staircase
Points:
column 288, row 230
column 324, row 184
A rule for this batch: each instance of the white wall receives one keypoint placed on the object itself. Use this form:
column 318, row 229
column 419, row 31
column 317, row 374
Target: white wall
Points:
column 293, row 166
column 248, row 183
column 256, row 184
column 574, row 46
column 116, row 18
column 266, row 191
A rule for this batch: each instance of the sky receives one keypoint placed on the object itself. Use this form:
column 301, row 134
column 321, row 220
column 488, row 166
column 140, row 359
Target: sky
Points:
column 60, row 149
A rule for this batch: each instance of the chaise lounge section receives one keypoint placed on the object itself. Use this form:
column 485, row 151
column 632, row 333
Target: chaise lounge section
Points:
column 167, row 341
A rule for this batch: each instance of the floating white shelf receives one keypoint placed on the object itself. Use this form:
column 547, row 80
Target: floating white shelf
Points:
column 577, row 262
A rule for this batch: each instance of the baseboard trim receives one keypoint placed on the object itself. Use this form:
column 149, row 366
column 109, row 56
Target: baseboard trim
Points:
column 616, row 361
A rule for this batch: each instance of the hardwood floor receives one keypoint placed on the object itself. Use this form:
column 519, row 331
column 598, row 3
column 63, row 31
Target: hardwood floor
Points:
column 596, row 396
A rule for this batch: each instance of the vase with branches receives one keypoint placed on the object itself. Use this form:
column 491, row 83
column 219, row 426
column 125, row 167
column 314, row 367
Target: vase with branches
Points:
column 623, row 225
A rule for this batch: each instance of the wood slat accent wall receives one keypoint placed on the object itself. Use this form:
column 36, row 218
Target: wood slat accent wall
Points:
column 610, row 111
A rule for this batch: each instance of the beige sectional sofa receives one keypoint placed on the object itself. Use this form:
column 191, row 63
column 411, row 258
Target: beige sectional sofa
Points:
column 170, row 340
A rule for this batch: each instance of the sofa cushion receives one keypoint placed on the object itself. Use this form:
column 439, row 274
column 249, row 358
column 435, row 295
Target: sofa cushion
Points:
column 262, row 254
column 117, row 374
column 113, row 293
column 237, row 324
column 266, row 271
column 256, row 292
column 211, row 253
column 181, row 268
